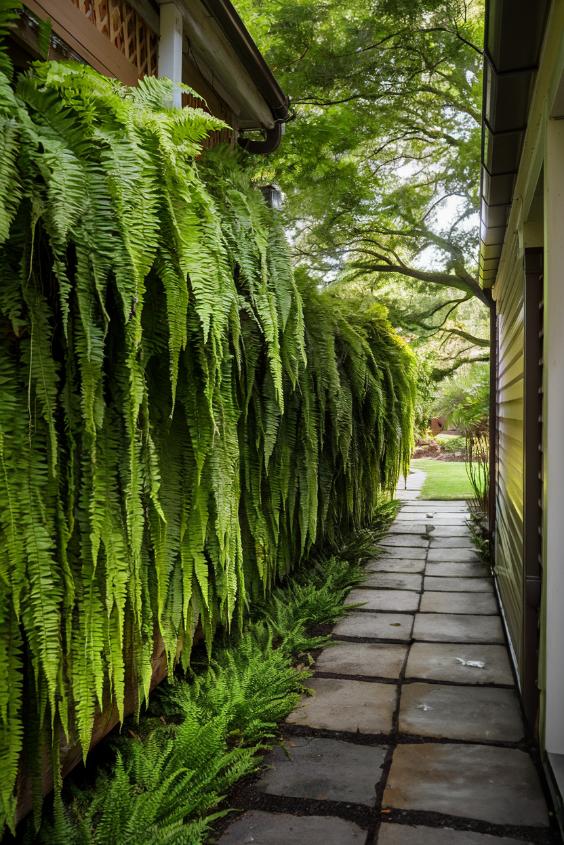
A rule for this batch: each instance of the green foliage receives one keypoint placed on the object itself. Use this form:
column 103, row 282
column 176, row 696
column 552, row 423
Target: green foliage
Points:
column 450, row 444
column 8, row 14
column 381, row 165
column 205, row 732
column 464, row 398
column 180, row 419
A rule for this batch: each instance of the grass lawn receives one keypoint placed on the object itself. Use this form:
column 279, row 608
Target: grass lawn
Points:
column 445, row 479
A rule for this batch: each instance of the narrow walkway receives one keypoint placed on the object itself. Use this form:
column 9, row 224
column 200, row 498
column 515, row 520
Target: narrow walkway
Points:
column 413, row 734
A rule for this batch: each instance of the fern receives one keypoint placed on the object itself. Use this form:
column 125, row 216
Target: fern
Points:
column 182, row 418
column 204, row 733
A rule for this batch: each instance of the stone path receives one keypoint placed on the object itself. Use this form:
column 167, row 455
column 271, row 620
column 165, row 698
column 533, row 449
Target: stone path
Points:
column 413, row 733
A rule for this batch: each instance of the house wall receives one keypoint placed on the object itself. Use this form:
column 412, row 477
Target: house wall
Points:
column 542, row 153
column 509, row 475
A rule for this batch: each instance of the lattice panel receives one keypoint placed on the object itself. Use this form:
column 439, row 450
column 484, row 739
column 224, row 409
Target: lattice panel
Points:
column 126, row 29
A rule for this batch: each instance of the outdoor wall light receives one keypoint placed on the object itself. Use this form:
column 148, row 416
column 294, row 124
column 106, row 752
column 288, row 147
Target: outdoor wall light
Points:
column 272, row 196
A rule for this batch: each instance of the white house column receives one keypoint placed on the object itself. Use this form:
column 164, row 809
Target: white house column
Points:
column 170, row 47
column 553, row 424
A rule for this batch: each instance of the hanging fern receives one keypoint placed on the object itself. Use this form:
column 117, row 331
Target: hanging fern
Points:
column 181, row 418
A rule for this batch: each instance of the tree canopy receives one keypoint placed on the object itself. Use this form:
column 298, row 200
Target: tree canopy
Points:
column 380, row 167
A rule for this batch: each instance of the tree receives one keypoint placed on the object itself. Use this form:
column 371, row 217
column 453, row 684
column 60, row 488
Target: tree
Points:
column 381, row 166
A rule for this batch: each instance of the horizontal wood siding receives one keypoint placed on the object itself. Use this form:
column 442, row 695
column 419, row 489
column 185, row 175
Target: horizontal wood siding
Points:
column 510, row 444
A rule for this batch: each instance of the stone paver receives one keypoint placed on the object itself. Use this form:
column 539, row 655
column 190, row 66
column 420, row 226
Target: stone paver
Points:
column 414, row 481
column 497, row 785
column 436, row 506
column 345, row 705
column 476, row 714
column 459, row 663
column 377, row 660
column 442, row 602
column 457, row 628
column 393, row 581
column 459, row 519
column 408, row 540
column 396, row 565
column 324, row 770
column 452, row 555
column 407, row 495
column 404, row 834
column 462, row 585
column 385, row 600
column 451, row 531
column 375, row 626
column 418, row 528
column 457, row 570
column 401, row 552
column 452, row 542
column 259, row 828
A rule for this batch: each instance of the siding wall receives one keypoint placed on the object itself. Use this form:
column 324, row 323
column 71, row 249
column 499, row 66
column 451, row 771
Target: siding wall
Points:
column 510, row 488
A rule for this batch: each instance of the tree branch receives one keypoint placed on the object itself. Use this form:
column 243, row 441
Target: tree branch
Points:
column 468, row 285
column 438, row 373
column 471, row 338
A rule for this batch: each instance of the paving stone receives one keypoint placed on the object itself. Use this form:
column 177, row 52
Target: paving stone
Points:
column 393, row 581
column 459, row 663
column 431, row 512
column 451, row 531
column 378, row 660
column 406, row 518
column 442, row 602
column 324, row 770
column 376, row 626
column 443, row 519
column 496, row 785
column 342, row 705
column 414, row 481
column 407, row 540
column 457, row 570
column 452, row 555
column 403, row 834
column 457, row 628
column 476, row 714
column 446, row 504
column 406, row 495
column 410, row 554
column 458, row 585
column 386, row 564
column 452, row 542
column 407, row 528
column 386, row 600
column 259, row 828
